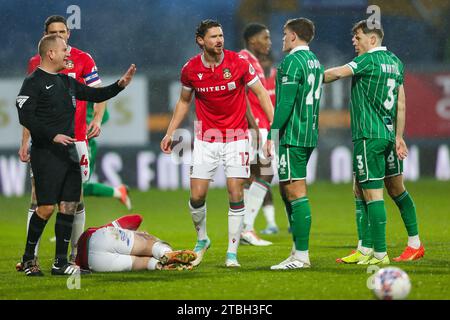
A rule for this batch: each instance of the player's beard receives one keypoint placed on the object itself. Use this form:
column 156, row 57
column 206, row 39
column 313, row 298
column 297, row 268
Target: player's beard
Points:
column 214, row 51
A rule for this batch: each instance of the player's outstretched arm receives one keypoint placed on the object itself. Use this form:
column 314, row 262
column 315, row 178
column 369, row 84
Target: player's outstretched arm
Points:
column 249, row 115
column 400, row 145
column 264, row 99
column 337, row 73
column 126, row 78
column 181, row 110
column 252, row 125
column 86, row 93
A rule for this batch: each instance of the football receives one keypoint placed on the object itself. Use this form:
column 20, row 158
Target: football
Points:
column 391, row 283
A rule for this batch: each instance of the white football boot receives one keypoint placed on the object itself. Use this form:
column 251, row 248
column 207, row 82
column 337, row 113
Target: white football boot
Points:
column 231, row 261
column 250, row 237
column 291, row 263
column 200, row 249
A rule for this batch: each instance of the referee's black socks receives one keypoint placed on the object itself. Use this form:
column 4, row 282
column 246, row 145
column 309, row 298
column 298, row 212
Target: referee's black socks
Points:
column 35, row 229
column 63, row 231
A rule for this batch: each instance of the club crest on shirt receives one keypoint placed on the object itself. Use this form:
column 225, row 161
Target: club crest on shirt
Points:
column 226, row 74
column 200, row 75
column 69, row 64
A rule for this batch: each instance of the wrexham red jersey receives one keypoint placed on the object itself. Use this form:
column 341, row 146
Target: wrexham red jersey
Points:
column 219, row 96
column 258, row 113
column 82, row 67
column 270, row 85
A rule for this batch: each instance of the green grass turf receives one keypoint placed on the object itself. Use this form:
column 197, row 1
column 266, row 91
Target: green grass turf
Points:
column 165, row 213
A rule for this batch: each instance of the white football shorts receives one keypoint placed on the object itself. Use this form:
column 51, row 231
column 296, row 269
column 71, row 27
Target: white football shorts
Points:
column 83, row 159
column 110, row 249
column 233, row 155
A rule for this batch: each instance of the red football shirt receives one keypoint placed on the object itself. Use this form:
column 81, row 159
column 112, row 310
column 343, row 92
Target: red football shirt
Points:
column 219, row 96
column 258, row 113
column 270, row 85
column 82, row 67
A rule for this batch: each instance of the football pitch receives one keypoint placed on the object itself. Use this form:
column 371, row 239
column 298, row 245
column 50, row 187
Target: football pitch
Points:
column 333, row 235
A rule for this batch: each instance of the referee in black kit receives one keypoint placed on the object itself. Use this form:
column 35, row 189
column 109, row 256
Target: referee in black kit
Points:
column 46, row 106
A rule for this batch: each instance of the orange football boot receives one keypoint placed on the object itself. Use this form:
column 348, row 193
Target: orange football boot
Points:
column 410, row 254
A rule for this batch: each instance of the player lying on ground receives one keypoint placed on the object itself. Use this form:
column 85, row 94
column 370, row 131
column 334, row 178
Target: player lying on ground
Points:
column 118, row 246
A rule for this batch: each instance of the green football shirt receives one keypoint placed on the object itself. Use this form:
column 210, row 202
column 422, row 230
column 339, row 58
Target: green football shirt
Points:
column 377, row 75
column 298, row 90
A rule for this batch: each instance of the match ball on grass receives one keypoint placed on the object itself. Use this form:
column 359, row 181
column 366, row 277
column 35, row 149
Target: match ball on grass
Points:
column 391, row 283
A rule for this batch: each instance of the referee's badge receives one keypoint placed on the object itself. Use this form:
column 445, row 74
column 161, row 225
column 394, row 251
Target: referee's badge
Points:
column 226, row 74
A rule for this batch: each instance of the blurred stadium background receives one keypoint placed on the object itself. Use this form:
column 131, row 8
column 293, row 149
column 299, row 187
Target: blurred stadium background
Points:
column 158, row 36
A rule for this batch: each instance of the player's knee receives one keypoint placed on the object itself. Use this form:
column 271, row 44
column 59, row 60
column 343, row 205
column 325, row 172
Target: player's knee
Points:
column 80, row 207
column 292, row 192
column 395, row 190
column 357, row 192
column 198, row 194
column 394, row 186
column 45, row 212
column 68, row 207
column 235, row 195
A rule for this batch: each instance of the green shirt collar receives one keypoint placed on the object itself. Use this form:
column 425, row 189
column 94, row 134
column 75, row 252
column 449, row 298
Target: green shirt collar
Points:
column 298, row 48
column 377, row 49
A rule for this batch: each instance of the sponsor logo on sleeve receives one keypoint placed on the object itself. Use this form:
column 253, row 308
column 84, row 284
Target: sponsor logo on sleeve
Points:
column 231, row 85
column 251, row 69
column 20, row 100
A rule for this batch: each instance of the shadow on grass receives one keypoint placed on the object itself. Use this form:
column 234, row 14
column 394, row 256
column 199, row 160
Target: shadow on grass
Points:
column 152, row 276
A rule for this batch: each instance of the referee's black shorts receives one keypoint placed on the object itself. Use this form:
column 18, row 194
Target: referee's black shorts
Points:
column 57, row 174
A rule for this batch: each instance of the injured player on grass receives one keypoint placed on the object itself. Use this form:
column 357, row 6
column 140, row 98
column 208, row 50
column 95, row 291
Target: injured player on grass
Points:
column 118, row 246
